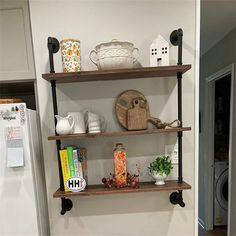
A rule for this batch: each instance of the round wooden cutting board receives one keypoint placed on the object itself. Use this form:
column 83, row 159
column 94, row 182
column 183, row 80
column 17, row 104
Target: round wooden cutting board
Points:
column 125, row 102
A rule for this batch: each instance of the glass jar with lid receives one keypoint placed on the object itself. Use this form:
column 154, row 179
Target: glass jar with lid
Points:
column 120, row 165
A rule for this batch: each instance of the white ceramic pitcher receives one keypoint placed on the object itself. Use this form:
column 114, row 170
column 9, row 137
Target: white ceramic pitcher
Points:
column 63, row 124
column 78, row 117
column 95, row 122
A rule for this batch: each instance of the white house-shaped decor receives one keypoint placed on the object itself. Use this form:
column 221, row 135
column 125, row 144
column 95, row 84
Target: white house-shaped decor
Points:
column 159, row 52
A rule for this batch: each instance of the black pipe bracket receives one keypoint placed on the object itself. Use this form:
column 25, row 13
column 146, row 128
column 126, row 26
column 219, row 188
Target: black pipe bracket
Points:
column 66, row 205
column 176, row 198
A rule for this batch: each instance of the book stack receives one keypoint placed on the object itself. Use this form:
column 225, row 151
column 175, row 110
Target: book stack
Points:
column 73, row 163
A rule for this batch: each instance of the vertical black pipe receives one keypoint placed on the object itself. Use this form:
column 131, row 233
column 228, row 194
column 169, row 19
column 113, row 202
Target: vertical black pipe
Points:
column 54, row 100
column 179, row 81
column 180, row 44
column 51, row 63
column 180, row 133
column 58, row 142
column 180, row 178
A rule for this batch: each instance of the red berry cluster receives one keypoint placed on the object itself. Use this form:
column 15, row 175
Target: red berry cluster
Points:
column 110, row 181
column 131, row 180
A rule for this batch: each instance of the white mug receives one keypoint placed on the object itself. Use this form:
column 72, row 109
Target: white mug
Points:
column 80, row 126
column 95, row 123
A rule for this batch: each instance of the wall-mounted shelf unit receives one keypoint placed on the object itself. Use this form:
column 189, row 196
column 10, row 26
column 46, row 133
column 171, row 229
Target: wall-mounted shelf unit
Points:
column 120, row 74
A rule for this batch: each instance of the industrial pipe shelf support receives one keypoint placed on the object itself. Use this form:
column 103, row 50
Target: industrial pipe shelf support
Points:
column 176, row 38
column 53, row 47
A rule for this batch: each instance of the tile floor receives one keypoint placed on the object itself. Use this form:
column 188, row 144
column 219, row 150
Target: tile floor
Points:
column 218, row 231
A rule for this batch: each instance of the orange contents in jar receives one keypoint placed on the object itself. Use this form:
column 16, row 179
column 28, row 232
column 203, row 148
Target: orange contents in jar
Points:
column 120, row 165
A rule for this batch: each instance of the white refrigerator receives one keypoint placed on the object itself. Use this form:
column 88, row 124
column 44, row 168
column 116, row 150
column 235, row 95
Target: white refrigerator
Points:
column 23, row 198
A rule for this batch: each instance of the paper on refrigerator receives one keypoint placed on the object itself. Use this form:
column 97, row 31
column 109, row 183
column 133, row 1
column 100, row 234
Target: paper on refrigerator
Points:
column 14, row 141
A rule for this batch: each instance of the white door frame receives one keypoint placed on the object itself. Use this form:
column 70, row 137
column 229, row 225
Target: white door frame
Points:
column 209, row 153
column 196, row 116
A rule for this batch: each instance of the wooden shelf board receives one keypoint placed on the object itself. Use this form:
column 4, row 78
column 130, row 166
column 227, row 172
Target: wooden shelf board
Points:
column 144, row 187
column 117, row 74
column 116, row 134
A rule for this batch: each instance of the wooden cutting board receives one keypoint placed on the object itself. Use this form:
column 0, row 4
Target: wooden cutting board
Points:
column 125, row 108
column 132, row 111
column 137, row 116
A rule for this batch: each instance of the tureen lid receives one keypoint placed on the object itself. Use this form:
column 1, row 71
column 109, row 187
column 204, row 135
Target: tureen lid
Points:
column 114, row 42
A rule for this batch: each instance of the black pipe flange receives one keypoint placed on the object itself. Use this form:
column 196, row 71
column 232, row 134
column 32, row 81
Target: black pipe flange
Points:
column 66, row 205
column 175, row 36
column 53, row 47
column 176, row 198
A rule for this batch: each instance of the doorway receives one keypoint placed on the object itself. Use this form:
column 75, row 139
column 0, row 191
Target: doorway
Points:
column 215, row 147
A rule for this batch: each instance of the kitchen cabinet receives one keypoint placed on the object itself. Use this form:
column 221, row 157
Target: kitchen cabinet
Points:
column 16, row 51
column 119, row 74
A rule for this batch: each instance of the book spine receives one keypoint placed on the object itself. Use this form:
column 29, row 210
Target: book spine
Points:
column 80, row 169
column 65, row 167
column 77, row 164
column 83, row 159
column 79, row 156
column 71, row 161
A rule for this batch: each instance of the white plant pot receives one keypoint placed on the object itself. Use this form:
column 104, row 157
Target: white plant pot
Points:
column 160, row 179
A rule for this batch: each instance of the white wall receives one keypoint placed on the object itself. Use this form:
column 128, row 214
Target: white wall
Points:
column 139, row 22
column 218, row 57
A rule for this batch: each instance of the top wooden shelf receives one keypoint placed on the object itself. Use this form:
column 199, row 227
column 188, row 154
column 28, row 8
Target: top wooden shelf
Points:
column 117, row 74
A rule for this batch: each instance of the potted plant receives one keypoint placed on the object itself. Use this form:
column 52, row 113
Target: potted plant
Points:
column 160, row 168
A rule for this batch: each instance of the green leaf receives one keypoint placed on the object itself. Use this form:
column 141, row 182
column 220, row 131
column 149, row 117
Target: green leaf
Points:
column 162, row 165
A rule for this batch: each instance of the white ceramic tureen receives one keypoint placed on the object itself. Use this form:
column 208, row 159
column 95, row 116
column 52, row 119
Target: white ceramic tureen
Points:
column 114, row 55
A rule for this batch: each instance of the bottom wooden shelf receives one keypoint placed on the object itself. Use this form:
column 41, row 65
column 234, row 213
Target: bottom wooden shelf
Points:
column 144, row 187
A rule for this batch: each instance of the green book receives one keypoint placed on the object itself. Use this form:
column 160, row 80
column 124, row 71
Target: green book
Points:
column 71, row 161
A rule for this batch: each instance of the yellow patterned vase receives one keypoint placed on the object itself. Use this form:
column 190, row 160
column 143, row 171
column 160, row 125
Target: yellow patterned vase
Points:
column 70, row 52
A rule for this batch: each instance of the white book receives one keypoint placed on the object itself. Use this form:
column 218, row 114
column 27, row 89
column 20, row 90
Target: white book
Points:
column 77, row 164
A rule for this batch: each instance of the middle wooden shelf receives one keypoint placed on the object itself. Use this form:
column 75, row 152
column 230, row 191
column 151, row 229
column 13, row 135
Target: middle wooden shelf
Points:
column 117, row 133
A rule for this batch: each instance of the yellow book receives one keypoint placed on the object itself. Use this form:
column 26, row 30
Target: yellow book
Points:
column 65, row 167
